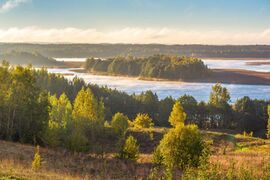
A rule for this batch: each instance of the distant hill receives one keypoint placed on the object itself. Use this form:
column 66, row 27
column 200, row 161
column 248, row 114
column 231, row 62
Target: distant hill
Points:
column 25, row 58
column 140, row 50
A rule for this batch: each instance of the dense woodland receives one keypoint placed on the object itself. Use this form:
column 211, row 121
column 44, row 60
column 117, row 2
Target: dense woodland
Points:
column 27, row 91
column 139, row 50
column 157, row 66
column 48, row 110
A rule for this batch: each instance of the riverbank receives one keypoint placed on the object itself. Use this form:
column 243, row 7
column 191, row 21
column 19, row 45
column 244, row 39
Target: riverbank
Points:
column 226, row 76
column 236, row 76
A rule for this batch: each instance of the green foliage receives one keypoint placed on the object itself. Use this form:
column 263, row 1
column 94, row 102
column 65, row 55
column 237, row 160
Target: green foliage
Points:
column 251, row 114
column 60, row 115
column 130, row 149
column 157, row 66
column 143, row 121
column 182, row 147
column 88, row 120
column 120, row 123
column 23, row 106
column 87, row 108
column 36, row 163
column 219, row 95
column 77, row 140
column 158, row 158
column 177, row 116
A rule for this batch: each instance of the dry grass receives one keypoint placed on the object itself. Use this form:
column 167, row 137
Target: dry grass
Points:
column 227, row 149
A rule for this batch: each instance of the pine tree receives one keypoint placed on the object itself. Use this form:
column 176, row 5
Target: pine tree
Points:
column 177, row 116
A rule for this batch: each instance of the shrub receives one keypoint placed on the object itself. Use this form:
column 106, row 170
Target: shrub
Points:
column 120, row 123
column 182, row 147
column 36, row 163
column 77, row 141
column 130, row 150
column 157, row 157
column 143, row 121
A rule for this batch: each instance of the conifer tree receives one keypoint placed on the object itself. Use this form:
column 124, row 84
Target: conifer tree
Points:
column 177, row 116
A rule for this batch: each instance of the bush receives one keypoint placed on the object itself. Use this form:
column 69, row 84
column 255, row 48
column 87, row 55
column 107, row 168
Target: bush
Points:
column 182, row 147
column 36, row 163
column 77, row 141
column 143, row 121
column 120, row 123
column 157, row 157
column 130, row 150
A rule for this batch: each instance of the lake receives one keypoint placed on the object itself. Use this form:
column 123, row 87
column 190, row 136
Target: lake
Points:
column 212, row 64
column 176, row 89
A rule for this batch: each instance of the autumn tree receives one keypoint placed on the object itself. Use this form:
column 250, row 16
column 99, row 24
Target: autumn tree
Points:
column 88, row 120
column 60, row 118
column 143, row 121
column 130, row 149
column 177, row 116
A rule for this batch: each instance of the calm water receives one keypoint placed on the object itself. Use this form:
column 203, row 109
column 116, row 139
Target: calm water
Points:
column 237, row 64
column 176, row 89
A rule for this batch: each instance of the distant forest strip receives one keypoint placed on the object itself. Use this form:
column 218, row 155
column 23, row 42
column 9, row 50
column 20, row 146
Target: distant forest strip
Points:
column 140, row 50
column 157, row 66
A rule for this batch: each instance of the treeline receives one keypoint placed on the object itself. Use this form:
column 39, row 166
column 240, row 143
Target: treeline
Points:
column 46, row 109
column 140, row 50
column 27, row 98
column 244, row 115
column 157, row 66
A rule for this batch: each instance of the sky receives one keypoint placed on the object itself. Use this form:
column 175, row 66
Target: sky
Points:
column 136, row 21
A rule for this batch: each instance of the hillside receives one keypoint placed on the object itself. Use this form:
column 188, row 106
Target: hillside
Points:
column 227, row 150
column 26, row 58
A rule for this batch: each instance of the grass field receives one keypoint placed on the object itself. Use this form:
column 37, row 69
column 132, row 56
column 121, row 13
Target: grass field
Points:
column 227, row 150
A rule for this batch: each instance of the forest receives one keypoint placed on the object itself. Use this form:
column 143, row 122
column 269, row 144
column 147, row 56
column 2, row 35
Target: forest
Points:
column 139, row 50
column 157, row 66
column 45, row 109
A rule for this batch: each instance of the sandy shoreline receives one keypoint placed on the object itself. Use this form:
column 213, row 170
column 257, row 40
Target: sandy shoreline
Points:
column 226, row 76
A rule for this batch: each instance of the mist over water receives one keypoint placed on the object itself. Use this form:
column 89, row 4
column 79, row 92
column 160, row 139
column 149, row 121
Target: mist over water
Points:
column 163, row 89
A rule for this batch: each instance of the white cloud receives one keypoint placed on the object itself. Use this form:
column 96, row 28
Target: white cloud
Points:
column 10, row 4
column 131, row 35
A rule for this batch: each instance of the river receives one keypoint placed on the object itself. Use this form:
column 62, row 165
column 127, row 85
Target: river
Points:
column 176, row 89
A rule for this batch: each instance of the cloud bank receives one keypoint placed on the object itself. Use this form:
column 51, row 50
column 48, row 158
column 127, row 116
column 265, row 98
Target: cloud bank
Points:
column 131, row 35
column 10, row 4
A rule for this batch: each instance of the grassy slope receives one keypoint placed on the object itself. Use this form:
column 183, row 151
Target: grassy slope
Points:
column 228, row 149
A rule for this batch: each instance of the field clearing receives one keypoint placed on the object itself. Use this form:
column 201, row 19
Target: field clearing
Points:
column 227, row 150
